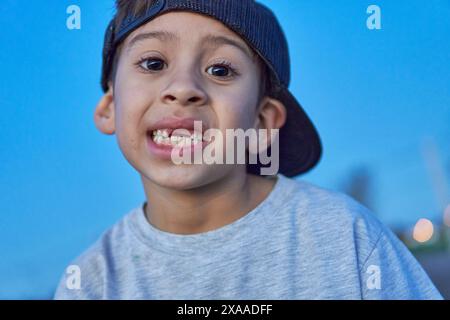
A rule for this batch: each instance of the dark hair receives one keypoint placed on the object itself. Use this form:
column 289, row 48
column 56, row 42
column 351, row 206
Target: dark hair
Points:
column 137, row 8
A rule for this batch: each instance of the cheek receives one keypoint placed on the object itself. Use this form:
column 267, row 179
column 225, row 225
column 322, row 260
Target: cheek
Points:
column 126, row 124
column 131, row 107
column 238, row 109
column 132, row 99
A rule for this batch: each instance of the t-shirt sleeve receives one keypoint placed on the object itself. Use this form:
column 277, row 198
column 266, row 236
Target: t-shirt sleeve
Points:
column 391, row 272
column 83, row 279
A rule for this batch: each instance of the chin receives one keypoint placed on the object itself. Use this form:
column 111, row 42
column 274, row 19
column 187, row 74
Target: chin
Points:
column 184, row 177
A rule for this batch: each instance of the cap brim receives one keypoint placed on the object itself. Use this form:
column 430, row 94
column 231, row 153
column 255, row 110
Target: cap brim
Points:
column 300, row 148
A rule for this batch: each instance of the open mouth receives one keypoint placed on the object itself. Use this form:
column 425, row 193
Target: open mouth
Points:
column 169, row 134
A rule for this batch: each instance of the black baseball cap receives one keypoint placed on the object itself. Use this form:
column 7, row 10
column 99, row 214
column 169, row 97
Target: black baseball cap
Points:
column 300, row 147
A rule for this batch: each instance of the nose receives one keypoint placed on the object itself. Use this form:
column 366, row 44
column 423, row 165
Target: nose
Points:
column 184, row 90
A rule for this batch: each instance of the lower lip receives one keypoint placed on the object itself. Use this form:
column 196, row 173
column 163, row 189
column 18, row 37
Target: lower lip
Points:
column 165, row 151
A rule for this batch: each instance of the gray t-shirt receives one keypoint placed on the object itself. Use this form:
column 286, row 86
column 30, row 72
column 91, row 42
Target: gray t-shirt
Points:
column 301, row 242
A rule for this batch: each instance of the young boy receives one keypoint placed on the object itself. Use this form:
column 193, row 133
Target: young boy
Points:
column 215, row 230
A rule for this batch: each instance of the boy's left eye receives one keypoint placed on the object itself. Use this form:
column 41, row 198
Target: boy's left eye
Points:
column 219, row 71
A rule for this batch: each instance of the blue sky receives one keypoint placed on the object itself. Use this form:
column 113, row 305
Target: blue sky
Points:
column 374, row 96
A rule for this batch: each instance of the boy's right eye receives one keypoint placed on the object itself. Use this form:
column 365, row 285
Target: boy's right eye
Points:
column 151, row 64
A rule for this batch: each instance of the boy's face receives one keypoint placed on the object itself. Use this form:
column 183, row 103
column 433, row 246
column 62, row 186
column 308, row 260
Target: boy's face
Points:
column 182, row 65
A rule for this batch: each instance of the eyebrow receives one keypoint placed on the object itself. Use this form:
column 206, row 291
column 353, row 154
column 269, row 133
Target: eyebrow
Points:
column 214, row 41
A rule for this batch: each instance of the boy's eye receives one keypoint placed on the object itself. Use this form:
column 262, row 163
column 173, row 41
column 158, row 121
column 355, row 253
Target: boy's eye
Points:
column 220, row 71
column 152, row 64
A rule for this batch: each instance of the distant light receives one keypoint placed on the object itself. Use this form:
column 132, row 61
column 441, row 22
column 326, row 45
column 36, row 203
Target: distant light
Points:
column 447, row 216
column 423, row 230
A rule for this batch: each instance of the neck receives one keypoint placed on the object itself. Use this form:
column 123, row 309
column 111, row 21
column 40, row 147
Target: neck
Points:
column 205, row 208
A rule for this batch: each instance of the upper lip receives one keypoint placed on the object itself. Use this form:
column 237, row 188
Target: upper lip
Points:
column 172, row 123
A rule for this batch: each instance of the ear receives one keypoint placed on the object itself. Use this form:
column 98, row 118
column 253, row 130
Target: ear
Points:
column 271, row 114
column 104, row 116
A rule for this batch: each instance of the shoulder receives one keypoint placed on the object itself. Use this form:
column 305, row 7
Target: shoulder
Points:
column 330, row 216
column 96, row 264
column 331, row 208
